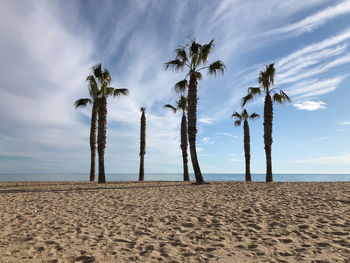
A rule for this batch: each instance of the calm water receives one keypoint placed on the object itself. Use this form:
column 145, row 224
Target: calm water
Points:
column 178, row 177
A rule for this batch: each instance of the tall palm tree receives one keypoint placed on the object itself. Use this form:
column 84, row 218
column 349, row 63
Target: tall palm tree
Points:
column 182, row 105
column 244, row 116
column 94, row 91
column 194, row 57
column 142, row 143
column 266, row 81
column 104, row 79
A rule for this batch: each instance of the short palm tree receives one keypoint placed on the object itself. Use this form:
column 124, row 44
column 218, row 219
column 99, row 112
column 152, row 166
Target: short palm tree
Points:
column 94, row 91
column 142, row 143
column 104, row 79
column 194, row 57
column 244, row 116
column 266, row 80
column 181, row 104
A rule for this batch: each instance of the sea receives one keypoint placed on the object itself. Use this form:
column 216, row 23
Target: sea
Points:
column 176, row 177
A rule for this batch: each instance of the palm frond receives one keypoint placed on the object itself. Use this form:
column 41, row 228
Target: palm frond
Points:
column 194, row 48
column 182, row 103
column 181, row 54
column 170, row 107
column 245, row 114
column 119, row 92
column 285, row 96
column 217, row 66
column 97, row 70
column 142, row 109
column 237, row 123
column 254, row 116
column 198, row 75
column 281, row 97
column 109, row 91
column 267, row 77
column 175, row 65
column 270, row 71
column 181, row 86
column 93, row 87
column 82, row 102
column 107, row 76
column 247, row 98
column 236, row 115
column 254, row 90
column 205, row 51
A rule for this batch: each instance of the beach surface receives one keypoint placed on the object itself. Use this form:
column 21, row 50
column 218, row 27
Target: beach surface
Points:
column 174, row 222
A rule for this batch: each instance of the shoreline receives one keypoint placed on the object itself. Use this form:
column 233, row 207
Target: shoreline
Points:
column 174, row 221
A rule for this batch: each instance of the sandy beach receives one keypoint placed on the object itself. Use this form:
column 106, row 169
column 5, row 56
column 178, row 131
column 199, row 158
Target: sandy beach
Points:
column 174, row 222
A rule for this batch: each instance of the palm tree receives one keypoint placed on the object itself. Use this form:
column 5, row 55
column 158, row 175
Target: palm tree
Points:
column 142, row 143
column 244, row 116
column 194, row 57
column 93, row 90
column 266, row 80
column 182, row 105
column 104, row 80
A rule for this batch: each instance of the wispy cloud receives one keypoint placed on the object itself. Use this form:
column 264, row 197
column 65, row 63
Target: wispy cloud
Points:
column 311, row 22
column 314, row 87
column 328, row 42
column 206, row 120
column 326, row 160
column 319, row 139
column 223, row 134
column 206, row 140
column 235, row 160
column 310, row 105
column 344, row 123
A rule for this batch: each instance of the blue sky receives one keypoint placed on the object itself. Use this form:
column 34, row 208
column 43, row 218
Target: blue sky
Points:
column 48, row 47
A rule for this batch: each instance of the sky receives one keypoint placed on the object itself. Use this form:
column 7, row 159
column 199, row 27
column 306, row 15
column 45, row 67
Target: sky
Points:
column 47, row 49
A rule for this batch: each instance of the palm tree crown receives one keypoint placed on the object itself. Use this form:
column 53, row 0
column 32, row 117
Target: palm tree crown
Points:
column 243, row 116
column 181, row 104
column 195, row 57
column 266, row 80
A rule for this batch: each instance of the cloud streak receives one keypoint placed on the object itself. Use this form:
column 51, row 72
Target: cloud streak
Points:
column 314, row 21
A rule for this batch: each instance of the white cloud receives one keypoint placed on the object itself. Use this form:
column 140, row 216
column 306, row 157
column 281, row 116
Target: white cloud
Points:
column 328, row 42
column 310, row 105
column 326, row 160
column 313, row 21
column 319, row 139
column 206, row 120
column 223, row 133
column 314, row 87
column 344, row 123
column 235, row 160
column 199, row 149
column 206, row 140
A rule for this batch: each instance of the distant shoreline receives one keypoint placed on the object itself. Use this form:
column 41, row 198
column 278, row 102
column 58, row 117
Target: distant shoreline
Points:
column 84, row 177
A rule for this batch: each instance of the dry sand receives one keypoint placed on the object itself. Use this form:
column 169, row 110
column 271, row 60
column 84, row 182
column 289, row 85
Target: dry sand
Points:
column 174, row 222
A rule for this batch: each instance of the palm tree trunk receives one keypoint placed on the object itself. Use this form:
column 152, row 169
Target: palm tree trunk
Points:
column 93, row 141
column 192, row 130
column 101, row 138
column 248, row 177
column 268, row 115
column 142, row 146
column 184, row 147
